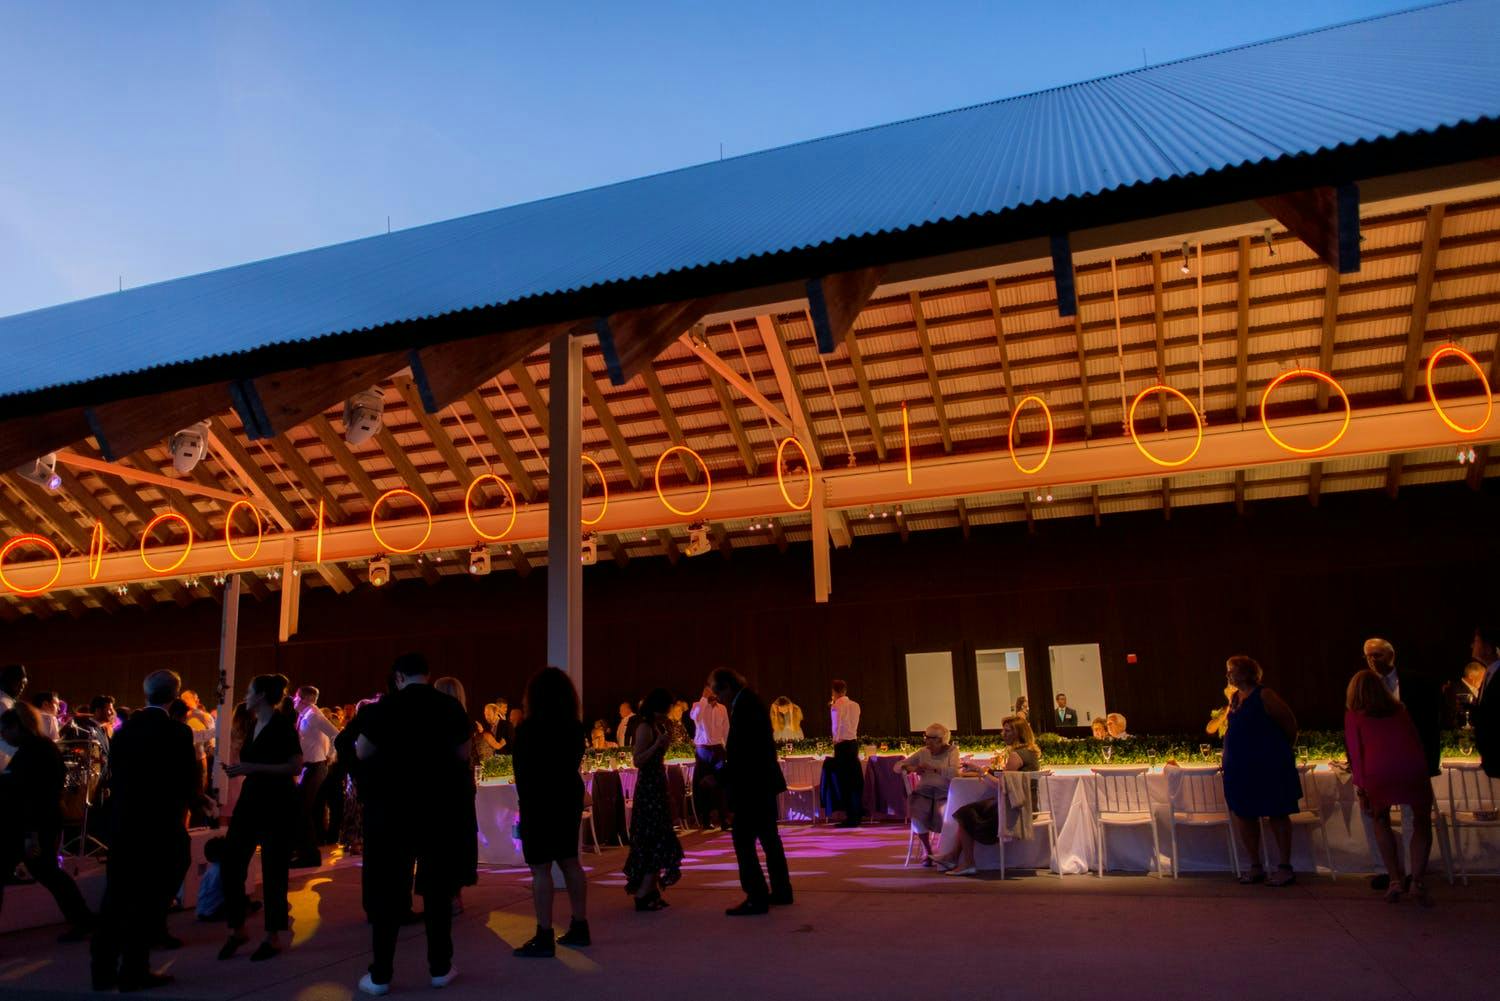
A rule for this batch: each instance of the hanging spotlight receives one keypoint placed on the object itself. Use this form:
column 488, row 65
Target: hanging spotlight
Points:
column 122, row 590
column 1473, row 455
column 698, row 540
column 362, row 416
column 1463, row 457
column 42, row 471
column 188, row 447
column 588, row 553
column 479, row 560
column 1185, row 269
column 380, row 571
column 1270, row 247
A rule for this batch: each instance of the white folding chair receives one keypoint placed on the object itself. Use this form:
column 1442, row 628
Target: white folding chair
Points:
column 1041, row 815
column 1196, row 796
column 689, row 809
column 1473, row 802
column 1313, row 815
column 1121, row 799
column 588, row 821
column 808, row 766
column 910, row 780
column 627, row 794
column 1439, row 834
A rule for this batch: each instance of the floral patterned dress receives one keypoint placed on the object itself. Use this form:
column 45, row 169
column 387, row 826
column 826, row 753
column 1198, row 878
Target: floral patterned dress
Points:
column 654, row 848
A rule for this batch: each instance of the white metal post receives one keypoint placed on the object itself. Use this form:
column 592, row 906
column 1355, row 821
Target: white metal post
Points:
column 564, row 509
column 229, row 632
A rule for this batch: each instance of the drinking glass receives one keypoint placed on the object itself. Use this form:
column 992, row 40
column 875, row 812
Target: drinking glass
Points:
column 1203, row 750
column 1108, row 751
column 1466, row 742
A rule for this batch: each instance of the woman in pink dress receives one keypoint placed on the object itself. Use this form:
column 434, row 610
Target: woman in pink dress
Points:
column 1389, row 769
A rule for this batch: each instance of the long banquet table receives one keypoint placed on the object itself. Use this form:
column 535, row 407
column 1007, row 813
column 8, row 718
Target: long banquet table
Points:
column 1202, row 849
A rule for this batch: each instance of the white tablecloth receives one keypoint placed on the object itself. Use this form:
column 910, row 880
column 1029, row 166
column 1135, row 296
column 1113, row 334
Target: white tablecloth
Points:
column 1202, row 849
column 498, row 811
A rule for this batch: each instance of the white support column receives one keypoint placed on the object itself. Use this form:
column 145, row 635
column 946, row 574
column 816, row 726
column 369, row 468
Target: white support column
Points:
column 229, row 633
column 564, row 509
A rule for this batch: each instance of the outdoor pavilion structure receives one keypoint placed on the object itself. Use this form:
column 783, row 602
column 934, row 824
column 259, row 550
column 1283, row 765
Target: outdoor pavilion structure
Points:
column 1267, row 272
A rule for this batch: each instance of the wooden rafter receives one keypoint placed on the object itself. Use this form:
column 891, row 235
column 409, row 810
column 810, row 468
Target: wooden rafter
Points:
column 1160, row 324
column 1326, row 219
column 1432, row 237
column 778, row 535
column 1083, row 376
column 448, row 372
column 530, row 393
column 435, row 432
column 617, row 550
column 611, row 430
column 1475, row 476
column 773, row 338
column 300, row 468
column 410, row 478
column 872, row 415
column 1239, row 492
column 668, row 416
column 1098, row 509
column 274, row 404
column 962, row 510
column 1166, row 499
column 718, row 368
column 1010, row 388
column 834, row 302
column 485, row 418
column 930, row 363
column 668, row 544
column 346, row 459
column 249, row 474
column 1242, row 330
column 732, row 419
column 1393, row 469
column 1030, row 515
column 1330, row 331
column 630, row 339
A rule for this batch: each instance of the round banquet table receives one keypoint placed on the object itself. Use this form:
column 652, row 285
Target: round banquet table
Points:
column 1202, row 849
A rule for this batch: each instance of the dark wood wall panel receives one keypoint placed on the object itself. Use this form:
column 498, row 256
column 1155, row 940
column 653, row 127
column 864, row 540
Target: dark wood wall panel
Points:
column 1297, row 587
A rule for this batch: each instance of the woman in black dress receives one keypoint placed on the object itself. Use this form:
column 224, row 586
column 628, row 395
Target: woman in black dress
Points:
column 655, row 860
column 547, row 752
column 265, row 814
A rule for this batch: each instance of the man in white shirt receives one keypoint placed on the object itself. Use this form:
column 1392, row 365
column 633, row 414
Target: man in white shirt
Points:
column 316, row 735
column 623, row 730
column 47, row 707
column 710, row 731
column 12, row 684
column 847, row 792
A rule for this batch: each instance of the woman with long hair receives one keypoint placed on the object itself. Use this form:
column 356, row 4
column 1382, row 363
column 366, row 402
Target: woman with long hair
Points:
column 468, row 820
column 1260, row 768
column 655, row 860
column 548, row 753
column 979, row 822
column 266, row 815
column 1389, row 768
column 786, row 720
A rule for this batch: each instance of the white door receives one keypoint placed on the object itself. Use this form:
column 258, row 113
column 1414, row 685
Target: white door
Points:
column 929, row 690
column 1078, row 673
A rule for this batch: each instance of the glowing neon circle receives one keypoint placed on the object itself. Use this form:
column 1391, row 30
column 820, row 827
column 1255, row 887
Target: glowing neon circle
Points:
column 1197, row 443
column 146, row 537
column 1489, row 397
column 375, row 510
column 260, row 530
column 603, row 485
column 708, row 481
column 469, row 509
column 781, row 479
column 21, row 540
column 1310, row 373
column 96, row 550
column 1010, row 437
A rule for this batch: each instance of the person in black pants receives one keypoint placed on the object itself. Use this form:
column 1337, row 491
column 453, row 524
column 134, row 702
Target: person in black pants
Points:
column 752, row 778
column 846, row 791
column 155, row 780
column 317, row 735
column 548, row 750
column 1485, row 715
column 418, row 789
column 266, row 814
column 31, row 816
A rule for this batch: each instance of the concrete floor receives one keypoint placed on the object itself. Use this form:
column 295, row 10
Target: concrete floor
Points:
column 863, row 927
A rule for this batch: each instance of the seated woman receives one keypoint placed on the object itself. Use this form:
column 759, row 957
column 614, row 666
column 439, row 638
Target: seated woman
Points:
column 935, row 763
column 599, row 738
column 1100, row 729
column 1114, row 725
column 786, row 720
column 980, row 821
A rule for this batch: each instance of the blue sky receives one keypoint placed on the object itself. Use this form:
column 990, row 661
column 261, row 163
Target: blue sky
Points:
column 147, row 141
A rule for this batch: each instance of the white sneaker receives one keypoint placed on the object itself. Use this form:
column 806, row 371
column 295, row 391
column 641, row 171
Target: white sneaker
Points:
column 368, row 986
column 446, row 978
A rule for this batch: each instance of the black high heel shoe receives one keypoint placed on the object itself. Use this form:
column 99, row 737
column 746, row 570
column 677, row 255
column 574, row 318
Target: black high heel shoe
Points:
column 229, row 948
column 652, row 901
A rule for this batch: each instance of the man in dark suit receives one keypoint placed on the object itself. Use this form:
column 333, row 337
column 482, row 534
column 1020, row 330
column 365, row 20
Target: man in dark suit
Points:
column 1064, row 716
column 752, row 779
column 155, row 780
column 1423, row 700
column 1486, row 712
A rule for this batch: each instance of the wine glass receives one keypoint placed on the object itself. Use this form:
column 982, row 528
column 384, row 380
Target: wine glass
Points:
column 1466, row 742
column 1203, row 750
column 1151, row 757
column 1108, row 751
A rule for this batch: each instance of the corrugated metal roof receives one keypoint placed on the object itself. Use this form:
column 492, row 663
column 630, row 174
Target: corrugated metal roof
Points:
column 1401, row 74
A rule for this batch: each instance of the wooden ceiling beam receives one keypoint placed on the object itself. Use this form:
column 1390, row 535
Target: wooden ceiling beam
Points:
column 612, row 430
column 630, row 339
column 1325, row 219
column 114, row 528
column 1475, row 476
column 732, row 419
column 930, row 364
column 778, row 535
column 617, row 550
column 1030, row 515
column 1005, row 373
column 866, row 398
column 247, row 471
column 435, row 432
column 962, row 510
column 1393, row 470
column 668, row 545
column 773, row 339
column 273, row 404
column 1083, row 377
column 346, row 459
column 1166, row 499
column 126, row 426
column 447, row 372
column 1330, row 331
column 401, row 462
column 1239, row 492
column 533, row 396
column 1160, row 324
column 1098, row 509
column 1242, row 330
column 143, row 512
column 1432, row 236
column 303, row 471
column 835, row 301
column 668, row 416
column 485, row 418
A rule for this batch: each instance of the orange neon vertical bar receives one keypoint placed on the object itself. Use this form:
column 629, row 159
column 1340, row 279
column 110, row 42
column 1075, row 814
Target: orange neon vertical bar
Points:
column 906, row 441
column 318, row 555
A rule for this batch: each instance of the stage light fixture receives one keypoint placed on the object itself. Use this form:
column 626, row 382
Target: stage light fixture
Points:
column 380, row 571
column 588, row 553
column 42, row 471
column 363, row 413
column 698, row 540
column 479, row 560
column 188, row 447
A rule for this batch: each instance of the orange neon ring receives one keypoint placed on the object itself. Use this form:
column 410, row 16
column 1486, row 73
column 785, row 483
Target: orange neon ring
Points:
column 1136, row 438
column 1311, row 373
column 1010, row 437
column 708, row 481
column 376, row 510
column 469, row 510
column 603, row 485
column 260, row 530
column 781, row 480
column 146, row 536
column 96, row 550
column 1489, row 397
column 21, row 540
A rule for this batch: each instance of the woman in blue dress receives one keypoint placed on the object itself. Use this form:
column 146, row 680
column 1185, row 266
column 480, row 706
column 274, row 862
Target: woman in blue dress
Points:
column 1260, row 769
